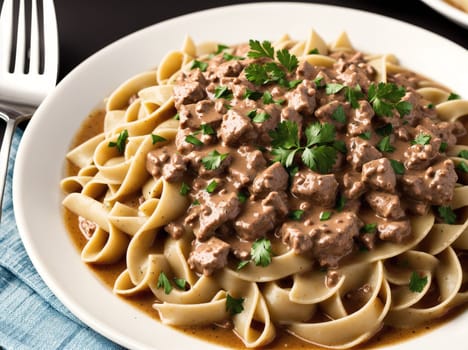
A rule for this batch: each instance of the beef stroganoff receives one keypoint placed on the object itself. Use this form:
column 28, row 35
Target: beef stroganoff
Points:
column 288, row 184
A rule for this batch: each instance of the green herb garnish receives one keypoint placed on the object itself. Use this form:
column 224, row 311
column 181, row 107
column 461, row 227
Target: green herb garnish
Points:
column 261, row 252
column 397, row 166
column 213, row 160
column 339, row 114
column 421, row 139
column 417, row 282
column 453, row 96
column 184, row 189
column 207, row 129
column 163, row 282
column 156, row 138
column 384, row 145
column 447, row 214
column 325, row 215
column 385, row 97
column 199, row 64
column 223, row 92
column 121, row 141
column 193, row 140
column 296, row 214
column 368, row 228
column 234, row 305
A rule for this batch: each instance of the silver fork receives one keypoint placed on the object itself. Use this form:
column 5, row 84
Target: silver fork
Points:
column 27, row 72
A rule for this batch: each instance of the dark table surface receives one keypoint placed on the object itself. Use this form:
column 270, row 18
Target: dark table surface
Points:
column 86, row 26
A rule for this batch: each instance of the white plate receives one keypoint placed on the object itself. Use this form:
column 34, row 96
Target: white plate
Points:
column 39, row 165
column 449, row 11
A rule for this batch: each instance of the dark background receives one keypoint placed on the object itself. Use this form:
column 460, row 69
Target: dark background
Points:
column 85, row 26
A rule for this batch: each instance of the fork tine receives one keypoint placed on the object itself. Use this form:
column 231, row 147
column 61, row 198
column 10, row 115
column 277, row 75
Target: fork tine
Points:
column 34, row 52
column 6, row 28
column 50, row 39
column 20, row 40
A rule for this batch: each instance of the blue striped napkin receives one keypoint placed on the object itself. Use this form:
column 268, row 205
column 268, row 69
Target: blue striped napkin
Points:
column 31, row 317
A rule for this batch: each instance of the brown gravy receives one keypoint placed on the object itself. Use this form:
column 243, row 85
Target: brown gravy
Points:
column 108, row 274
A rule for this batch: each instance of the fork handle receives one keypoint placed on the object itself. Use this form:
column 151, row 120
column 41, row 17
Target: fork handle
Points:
column 12, row 119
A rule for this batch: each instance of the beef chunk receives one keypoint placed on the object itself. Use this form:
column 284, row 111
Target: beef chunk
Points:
column 306, row 71
column 171, row 167
column 446, row 131
column 385, row 204
column 302, row 98
column 325, row 113
column 236, row 128
column 319, row 189
column 354, row 187
column 394, row 231
column 292, row 115
column 357, row 74
column 246, row 165
column 434, row 185
column 273, row 178
column 216, row 210
column 294, row 235
column 209, row 256
column 263, row 128
column 191, row 90
column 175, row 229
column 260, row 217
column 379, row 174
column 334, row 239
column 361, row 119
column 229, row 69
column 419, row 156
column 87, row 227
column 360, row 151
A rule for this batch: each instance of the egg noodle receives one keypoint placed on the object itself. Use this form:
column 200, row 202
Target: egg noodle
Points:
column 144, row 106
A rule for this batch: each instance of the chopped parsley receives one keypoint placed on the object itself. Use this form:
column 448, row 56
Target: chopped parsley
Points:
column 207, row 129
column 222, row 91
column 211, row 186
column 261, row 49
column 447, row 214
column 417, row 282
column 196, row 202
column 443, row 146
column 352, row 94
column 384, row 145
column 193, row 140
column 234, row 305
column 242, row 196
column 184, row 189
column 253, row 95
column 339, row 114
column 296, row 214
column 366, row 135
column 242, row 264
column 453, row 96
column 220, row 48
column 386, row 97
column 325, row 215
column 121, row 141
column 213, row 160
column 199, row 64
column 258, row 117
column 462, row 166
column 229, row 57
column 314, row 51
column 180, row 283
column 163, row 282
column 176, row 116
column 261, row 252
column 397, row 166
column 463, row 154
column 369, row 228
column 156, row 138
column 262, row 74
column 341, row 202
column 289, row 61
column 340, row 146
column 421, row 139
column 385, row 130
column 333, row 88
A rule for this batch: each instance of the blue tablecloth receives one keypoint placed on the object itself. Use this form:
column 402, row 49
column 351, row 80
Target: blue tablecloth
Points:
column 31, row 317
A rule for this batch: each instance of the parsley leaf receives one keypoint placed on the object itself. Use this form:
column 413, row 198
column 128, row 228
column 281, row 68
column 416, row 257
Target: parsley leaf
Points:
column 258, row 117
column 263, row 49
column 453, row 96
column 293, row 83
column 317, row 133
column 261, row 252
column 353, row 94
column 417, row 282
column 365, row 135
column 385, row 130
column 368, row 228
column 213, row 160
column 384, row 145
column 462, row 166
column 180, row 283
column 286, row 135
column 230, row 57
column 447, row 214
column 222, row 91
column 211, row 186
column 207, row 129
column 262, row 74
column 121, row 141
column 397, row 166
column 221, row 48
column 333, row 88
column 339, row 114
column 421, row 139
column 242, row 196
column 156, row 138
column 287, row 60
column 340, row 203
column 443, row 146
column 463, row 154
column 340, row 146
column 253, row 95
column 384, row 97
column 184, row 189
column 242, row 264
column 296, row 214
column 325, row 215
column 314, row 51
column 320, row 158
column 234, row 305
column 193, row 140
column 163, row 282
column 199, row 64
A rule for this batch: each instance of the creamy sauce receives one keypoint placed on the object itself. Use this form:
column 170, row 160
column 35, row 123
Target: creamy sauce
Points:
column 108, row 274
